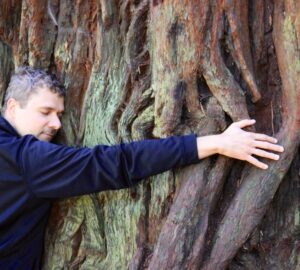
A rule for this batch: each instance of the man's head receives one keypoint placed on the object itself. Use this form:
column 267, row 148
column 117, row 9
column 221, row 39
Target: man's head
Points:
column 34, row 102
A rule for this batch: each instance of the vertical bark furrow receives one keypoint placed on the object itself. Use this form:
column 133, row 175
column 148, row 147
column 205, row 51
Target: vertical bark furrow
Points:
column 237, row 13
column 138, row 102
column 136, row 40
column 217, row 76
column 40, row 24
column 107, row 12
column 10, row 16
column 7, row 66
column 137, row 58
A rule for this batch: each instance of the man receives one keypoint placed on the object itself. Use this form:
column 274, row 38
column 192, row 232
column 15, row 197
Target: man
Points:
column 34, row 171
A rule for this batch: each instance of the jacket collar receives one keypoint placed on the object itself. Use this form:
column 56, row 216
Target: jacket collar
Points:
column 7, row 127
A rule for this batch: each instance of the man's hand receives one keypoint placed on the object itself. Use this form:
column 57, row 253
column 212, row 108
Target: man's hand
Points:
column 236, row 143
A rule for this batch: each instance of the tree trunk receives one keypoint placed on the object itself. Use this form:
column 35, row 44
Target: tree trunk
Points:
column 138, row 69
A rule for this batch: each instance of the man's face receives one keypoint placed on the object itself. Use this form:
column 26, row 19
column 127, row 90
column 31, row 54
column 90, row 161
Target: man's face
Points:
column 40, row 116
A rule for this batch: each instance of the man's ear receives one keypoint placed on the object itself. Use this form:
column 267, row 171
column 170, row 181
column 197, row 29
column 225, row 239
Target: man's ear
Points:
column 11, row 106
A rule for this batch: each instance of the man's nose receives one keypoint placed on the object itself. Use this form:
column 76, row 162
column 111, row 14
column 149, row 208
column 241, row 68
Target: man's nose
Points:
column 55, row 122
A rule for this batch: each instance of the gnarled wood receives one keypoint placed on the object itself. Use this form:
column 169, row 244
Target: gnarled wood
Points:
column 138, row 69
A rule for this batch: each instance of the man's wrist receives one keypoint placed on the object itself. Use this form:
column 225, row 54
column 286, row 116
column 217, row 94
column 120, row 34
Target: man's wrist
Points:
column 208, row 145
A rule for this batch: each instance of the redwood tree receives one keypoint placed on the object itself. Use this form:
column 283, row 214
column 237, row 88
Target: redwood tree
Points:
column 137, row 69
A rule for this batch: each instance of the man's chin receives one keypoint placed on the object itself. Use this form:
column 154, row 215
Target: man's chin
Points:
column 45, row 137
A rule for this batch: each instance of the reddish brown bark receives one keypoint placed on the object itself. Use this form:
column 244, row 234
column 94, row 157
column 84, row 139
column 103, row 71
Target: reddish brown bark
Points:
column 139, row 69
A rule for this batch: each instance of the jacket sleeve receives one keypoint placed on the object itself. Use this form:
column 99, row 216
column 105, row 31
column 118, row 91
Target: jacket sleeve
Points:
column 55, row 171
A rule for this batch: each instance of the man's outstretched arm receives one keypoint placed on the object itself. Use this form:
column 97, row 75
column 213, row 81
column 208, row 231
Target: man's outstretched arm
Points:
column 236, row 143
column 56, row 171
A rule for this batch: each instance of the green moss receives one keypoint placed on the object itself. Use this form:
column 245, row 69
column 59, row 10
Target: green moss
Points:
column 297, row 218
column 7, row 65
column 291, row 43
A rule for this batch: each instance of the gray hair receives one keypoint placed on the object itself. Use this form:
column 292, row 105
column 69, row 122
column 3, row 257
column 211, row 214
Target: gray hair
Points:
column 27, row 80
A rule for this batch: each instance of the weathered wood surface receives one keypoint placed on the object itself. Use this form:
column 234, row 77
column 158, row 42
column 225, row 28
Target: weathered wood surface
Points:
column 139, row 69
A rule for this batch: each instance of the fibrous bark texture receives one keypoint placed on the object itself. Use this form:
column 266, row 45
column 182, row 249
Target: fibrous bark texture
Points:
column 138, row 69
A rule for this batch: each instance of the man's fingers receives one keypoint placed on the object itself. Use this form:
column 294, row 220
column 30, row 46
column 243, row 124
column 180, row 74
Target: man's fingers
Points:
column 265, row 154
column 264, row 137
column 244, row 123
column 268, row 146
column 257, row 163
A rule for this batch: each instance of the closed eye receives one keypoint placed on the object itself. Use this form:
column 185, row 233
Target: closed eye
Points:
column 45, row 113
